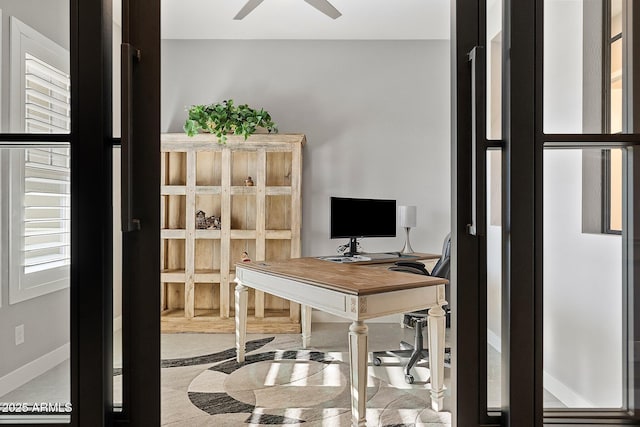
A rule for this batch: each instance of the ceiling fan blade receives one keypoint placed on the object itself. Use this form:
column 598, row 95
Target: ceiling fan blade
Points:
column 247, row 8
column 325, row 7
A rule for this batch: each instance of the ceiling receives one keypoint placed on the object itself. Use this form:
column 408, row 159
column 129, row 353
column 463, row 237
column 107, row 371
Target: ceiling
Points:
column 295, row 19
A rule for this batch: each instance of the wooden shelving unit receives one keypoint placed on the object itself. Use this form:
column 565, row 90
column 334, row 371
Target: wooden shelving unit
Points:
column 264, row 220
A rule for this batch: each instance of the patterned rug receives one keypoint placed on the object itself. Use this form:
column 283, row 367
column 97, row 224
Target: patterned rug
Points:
column 277, row 386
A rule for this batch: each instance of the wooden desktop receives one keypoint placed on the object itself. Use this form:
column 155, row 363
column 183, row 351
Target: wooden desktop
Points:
column 354, row 291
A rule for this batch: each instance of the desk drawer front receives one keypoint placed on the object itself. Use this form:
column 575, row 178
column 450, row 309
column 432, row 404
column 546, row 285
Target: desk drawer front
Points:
column 327, row 300
column 387, row 303
column 340, row 304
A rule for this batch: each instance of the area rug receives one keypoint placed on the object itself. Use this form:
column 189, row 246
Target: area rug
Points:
column 282, row 386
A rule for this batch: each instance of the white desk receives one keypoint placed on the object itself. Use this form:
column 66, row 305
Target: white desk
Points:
column 355, row 292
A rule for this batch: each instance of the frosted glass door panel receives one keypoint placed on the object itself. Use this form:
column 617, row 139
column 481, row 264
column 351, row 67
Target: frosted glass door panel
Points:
column 35, row 219
column 584, row 82
column 584, row 299
column 494, row 279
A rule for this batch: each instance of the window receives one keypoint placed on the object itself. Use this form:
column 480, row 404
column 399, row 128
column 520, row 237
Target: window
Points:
column 613, row 112
column 602, row 168
column 39, row 173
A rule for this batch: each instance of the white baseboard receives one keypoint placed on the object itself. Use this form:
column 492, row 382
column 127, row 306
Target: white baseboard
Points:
column 565, row 394
column 560, row 390
column 33, row 369
column 117, row 323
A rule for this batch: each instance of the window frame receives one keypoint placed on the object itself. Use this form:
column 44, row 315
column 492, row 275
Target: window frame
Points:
column 26, row 40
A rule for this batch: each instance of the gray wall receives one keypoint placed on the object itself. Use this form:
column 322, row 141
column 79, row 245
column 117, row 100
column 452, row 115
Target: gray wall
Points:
column 46, row 318
column 376, row 115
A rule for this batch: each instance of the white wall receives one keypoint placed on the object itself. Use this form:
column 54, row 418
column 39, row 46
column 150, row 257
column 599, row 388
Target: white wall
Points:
column 46, row 318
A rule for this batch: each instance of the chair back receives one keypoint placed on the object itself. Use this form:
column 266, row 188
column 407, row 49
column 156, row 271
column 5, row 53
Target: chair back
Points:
column 441, row 269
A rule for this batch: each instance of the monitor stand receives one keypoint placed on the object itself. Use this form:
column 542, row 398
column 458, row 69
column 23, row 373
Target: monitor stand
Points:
column 353, row 247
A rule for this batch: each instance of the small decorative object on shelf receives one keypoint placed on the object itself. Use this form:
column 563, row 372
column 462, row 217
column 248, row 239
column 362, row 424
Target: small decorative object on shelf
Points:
column 248, row 182
column 244, row 257
column 201, row 219
column 214, row 223
column 203, row 222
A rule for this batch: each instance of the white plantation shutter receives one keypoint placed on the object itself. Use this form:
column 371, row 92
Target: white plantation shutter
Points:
column 47, row 170
column 46, row 209
column 40, row 188
column 47, row 96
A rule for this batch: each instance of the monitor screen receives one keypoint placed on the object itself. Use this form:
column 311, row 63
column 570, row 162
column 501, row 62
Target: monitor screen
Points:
column 362, row 218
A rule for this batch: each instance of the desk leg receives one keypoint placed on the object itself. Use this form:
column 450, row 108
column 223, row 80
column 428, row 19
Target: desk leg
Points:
column 358, row 369
column 436, row 327
column 306, row 325
column 242, row 297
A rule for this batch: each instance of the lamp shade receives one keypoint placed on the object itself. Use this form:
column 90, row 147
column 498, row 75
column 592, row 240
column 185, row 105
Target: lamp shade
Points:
column 407, row 216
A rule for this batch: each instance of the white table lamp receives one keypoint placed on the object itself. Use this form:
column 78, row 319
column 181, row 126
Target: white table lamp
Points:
column 407, row 220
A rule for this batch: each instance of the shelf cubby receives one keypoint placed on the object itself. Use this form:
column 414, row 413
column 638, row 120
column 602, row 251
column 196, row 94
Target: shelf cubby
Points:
column 279, row 169
column 278, row 212
column 243, row 165
column 243, row 212
column 208, row 171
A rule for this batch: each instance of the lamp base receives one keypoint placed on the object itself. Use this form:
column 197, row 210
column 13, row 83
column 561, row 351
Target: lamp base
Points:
column 407, row 249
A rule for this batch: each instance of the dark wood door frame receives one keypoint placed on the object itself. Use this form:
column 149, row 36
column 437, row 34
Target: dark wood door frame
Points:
column 469, row 365
column 522, row 222
column 141, row 247
column 91, row 213
column 92, row 221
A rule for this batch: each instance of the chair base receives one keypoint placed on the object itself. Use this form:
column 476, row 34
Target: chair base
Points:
column 414, row 352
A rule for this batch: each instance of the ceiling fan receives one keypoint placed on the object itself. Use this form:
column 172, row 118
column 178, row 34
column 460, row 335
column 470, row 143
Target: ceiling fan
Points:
column 322, row 5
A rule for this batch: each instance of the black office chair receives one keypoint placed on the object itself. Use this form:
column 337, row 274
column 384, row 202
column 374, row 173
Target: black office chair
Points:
column 418, row 319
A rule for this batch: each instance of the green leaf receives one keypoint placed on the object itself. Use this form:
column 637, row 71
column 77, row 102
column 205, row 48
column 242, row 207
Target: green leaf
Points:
column 191, row 127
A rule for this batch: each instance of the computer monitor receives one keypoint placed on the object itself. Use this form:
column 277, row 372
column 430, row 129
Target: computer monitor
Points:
column 355, row 218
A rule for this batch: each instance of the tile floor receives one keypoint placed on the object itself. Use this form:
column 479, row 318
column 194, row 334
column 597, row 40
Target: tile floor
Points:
column 329, row 338
column 330, row 399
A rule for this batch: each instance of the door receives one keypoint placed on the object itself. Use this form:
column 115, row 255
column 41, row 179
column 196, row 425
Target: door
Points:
column 560, row 150
column 56, row 159
column 56, row 264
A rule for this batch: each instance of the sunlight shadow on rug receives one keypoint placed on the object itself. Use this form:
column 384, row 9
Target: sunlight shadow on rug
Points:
column 271, row 386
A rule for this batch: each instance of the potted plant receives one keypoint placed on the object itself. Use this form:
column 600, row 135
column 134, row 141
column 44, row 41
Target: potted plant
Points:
column 226, row 118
